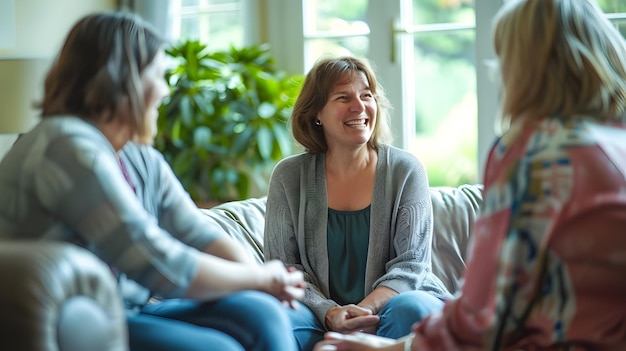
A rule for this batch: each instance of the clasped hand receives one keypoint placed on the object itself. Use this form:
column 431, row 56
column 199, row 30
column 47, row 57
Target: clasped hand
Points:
column 351, row 318
column 286, row 284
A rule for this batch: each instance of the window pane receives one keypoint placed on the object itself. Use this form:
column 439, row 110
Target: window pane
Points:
column 612, row 6
column 622, row 29
column 315, row 48
column 216, row 23
column 449, row 11
column 616, row 9
column 446, row 112
column 217, row 30
column 336, row 17
column 334, row 27
column 207, row 2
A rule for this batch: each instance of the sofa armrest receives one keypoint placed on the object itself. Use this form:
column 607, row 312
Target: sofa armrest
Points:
column 57, row 296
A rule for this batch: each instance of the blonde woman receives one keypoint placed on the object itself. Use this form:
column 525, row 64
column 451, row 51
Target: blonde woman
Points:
column 549, row 254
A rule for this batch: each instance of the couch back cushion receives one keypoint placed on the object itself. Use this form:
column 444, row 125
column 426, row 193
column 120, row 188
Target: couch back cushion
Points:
column 244, row 220
column 454, row 211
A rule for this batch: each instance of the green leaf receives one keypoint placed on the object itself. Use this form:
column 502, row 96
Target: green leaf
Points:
column 266, row 110
column 265, row 140
column 203, row 103
column 242, row 141
column 283, row 139
column 186, row 112
column 202, row 137
column 243, row 185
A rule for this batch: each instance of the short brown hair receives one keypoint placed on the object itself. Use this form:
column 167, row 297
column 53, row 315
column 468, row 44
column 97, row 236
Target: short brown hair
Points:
column 316, row 89
column 99, row 65
column 559, row 58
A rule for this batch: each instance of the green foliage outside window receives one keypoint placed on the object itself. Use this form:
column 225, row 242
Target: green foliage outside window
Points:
column 445, row 94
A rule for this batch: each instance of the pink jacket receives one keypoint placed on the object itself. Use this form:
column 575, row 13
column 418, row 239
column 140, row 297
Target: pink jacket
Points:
column 547, row 264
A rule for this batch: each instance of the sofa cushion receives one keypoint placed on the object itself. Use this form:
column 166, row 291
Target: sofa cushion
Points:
column 244, row 220
column 454, row 211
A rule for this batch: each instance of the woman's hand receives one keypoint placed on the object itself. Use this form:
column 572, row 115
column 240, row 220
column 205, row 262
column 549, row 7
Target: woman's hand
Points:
column 433, row 334
column 351, row 318
column 287, row 285
column 356, row 341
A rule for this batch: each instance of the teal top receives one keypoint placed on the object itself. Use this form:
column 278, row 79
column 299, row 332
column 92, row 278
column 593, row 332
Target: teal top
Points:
column 348, row 240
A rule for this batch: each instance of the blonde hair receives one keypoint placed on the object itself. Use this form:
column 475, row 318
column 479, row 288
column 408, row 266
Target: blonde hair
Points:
column 559, row 58
column 99, row 67
column 314, row 94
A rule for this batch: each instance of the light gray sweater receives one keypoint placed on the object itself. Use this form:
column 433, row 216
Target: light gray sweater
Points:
column 399, row 253
column 62, row 181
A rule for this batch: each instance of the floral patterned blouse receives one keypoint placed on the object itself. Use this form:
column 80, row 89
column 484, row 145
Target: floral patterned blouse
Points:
column 547, row 265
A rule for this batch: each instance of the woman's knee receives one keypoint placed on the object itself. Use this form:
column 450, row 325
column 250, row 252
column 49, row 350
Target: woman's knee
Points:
column 154, row 333
column 405, row 309
column 418, row 302
column 266, row 317
column 307, row 329
column 257, row 306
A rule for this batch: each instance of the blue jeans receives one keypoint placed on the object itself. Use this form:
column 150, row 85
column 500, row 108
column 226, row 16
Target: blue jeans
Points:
column 247, row 320
column 396, row 318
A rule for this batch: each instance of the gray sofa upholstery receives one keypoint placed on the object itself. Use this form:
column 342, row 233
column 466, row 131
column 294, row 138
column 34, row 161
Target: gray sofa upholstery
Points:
column 56, row 296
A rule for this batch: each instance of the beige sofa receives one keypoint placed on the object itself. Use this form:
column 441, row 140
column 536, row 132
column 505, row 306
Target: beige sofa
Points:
column 56, row 296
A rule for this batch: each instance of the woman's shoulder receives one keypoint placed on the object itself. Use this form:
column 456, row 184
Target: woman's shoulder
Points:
column 293, row 167
column 65, row 135
column 147, row 153
column 68, row 127
column 397, row 157
column 555, row 133
column 294, row 162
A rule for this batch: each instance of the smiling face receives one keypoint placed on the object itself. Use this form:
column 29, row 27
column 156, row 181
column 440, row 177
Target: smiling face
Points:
column 349, row 116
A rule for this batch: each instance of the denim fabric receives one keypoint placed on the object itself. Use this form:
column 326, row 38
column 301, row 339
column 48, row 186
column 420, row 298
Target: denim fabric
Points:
column 247, row 320
column 396, row 318
column 404, row 310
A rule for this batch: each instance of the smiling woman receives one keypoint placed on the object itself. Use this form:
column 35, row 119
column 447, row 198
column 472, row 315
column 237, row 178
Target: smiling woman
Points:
column 354, row 203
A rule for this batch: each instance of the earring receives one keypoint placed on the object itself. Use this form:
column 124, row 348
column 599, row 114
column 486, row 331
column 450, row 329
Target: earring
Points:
column 318, row 122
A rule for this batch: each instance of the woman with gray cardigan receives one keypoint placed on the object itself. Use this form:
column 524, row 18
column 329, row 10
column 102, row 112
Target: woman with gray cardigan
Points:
column 352, row 212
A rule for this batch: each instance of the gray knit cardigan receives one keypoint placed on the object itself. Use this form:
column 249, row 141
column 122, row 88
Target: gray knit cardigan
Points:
column 399, row 253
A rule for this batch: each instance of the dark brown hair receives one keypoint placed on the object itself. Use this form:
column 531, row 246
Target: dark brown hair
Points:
column 316, row 89
column 99, row 65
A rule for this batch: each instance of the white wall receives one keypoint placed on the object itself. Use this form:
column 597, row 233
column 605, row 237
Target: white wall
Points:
column 41, row 25
column 5, row 143
column 40, row 29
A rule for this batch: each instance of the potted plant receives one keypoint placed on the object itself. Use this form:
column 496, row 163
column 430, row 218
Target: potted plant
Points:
column 223, row 127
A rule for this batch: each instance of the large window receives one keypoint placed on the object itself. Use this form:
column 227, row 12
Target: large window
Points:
column 432, row 43
column 429, row 55
column 445, row 139
column 337, row 27
column 216, row 23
